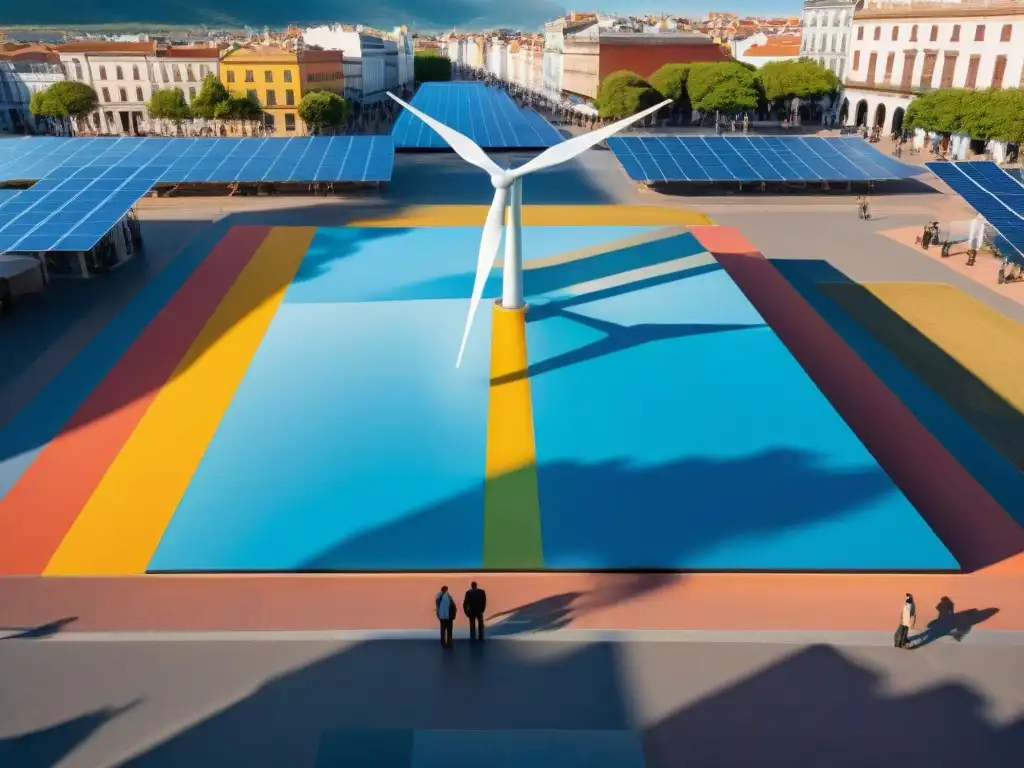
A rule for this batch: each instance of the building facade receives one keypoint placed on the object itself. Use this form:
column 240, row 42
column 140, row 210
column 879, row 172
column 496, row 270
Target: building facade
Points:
column 900, row 50
column 184, row 67
column 826, row 27
column 553, row 62
column 25, row 70
column 384, row 61
column 121, row 75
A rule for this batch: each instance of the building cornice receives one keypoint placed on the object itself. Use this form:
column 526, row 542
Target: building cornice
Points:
column 932, row 10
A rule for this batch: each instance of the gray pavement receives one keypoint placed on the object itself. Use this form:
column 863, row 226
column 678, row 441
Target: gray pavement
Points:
column 692, row 702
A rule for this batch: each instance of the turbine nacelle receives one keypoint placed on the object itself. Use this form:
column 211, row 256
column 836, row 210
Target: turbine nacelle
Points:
column 502, row 181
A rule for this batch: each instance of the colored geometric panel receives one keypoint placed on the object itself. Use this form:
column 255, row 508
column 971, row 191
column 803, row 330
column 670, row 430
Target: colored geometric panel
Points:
column 654, row 159
column 353, row 443
column 714, row 470
column 486, row 115
column 534, row 748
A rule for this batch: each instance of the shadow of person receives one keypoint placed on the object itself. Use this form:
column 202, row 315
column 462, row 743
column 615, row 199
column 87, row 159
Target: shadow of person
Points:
column 41, row 631
column 543, row 615
column 950, row 623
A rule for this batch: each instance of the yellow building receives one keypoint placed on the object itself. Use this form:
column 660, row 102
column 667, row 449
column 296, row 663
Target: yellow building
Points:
column 278, row 79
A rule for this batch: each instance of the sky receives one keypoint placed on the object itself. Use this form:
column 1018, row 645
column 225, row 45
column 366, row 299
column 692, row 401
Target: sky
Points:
column 421, row 14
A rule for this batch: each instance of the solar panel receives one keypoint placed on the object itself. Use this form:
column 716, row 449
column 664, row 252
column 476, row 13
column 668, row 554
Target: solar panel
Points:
column 486, row 115
column 296, row 159
column 654, row 159
column 973, row 186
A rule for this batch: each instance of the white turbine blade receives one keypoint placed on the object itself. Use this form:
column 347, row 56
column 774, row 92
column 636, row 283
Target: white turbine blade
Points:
column 567, row 150
column 464, row 146
column 485, row 260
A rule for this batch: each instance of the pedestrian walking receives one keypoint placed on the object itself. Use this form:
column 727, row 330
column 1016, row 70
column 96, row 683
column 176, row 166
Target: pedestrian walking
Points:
column 446, row 611
column 908, row 620
column 474, row 604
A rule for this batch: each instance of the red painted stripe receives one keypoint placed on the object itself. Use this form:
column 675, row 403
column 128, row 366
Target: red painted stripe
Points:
column 40, row 509
column 972, row 525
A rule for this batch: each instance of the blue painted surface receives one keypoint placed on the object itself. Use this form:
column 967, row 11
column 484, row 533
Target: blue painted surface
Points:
column 547, row 748
column 22, row 439
column 702, row 445
column 1000, row 478
column 352, row 443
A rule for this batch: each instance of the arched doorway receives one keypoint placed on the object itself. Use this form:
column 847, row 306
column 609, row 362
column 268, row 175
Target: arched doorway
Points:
column 880, row 117
column 897, row 119
column 862, row 113
column 844, row 111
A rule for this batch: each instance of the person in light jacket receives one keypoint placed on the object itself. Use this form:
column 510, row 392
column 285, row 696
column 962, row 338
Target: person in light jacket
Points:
column 908, row 620
column 445, row 608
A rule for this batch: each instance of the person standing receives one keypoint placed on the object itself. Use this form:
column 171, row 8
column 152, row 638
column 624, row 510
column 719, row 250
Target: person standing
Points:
column 908, row 620
column 473, row 605
column 446, row 610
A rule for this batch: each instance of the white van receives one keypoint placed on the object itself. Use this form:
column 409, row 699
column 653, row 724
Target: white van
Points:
column 19, row 275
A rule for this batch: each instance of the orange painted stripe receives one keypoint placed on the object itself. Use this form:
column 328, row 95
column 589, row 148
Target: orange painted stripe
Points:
column 973, row 526
column 40, row 509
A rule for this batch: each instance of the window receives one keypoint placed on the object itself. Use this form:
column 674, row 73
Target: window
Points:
column 106, row 94
column 979, row 33
column 251, row 95
column 268, row 122
column 948, row 68
column 231, row 76
column 191, row 93
column 895, row 33
column 103, row 72
column 123, row 93
column 872, row 63
column 907, row 76
column 119, row 72
column 890, row 62
column 856, row 60
column 268, row 76
column 135, row 72
column 955, row 36
column 139, row 96
column 913, row 34
column 204, row 70
column 176, row 73
column 289, row 122
column 972, row 72
column 935, row 33
column 878, row 33
column 78, row 69
column 287, row 75
column 271, row 98
column 860, row 34
column 289, row 97
column 928, row 69
column 1006, row 33
column 999, row 72
column 163, row 72
column 250, row 76
column 190, row 75
column 833, row 42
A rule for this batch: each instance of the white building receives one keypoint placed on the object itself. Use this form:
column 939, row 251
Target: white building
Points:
column 25, row 70
column 901, row 49
column 184, row 68
column 384, row 62
column 825, row 28
column 554, row 58
column 121, row 75
column 497, row 58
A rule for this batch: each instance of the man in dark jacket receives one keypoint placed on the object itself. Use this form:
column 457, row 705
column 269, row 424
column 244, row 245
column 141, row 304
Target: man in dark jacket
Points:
column 474, row 605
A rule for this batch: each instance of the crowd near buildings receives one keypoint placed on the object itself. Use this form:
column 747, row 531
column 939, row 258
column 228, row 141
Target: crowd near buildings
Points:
column 884, row 52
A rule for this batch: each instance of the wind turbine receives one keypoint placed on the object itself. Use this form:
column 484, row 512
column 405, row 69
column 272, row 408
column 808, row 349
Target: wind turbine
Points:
column 508, row 192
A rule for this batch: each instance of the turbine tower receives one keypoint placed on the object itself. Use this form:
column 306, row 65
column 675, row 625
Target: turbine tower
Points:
column 508, row 193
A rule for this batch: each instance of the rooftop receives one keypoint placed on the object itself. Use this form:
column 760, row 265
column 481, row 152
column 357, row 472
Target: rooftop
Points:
column 104, row 47
column 916, row 9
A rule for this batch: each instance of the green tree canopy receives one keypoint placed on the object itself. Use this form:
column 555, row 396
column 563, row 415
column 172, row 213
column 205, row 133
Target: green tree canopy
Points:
column 211, row 94
column 625, row 93
column 169, row 104
column 431, row 67
column 942, row 111
column 66, row 98
column 796, row 78
column 321, row 110
column 670, row 81
column 726, row 87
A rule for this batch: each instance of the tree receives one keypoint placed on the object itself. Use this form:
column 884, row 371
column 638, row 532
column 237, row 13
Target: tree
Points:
column 670, row 82
column 211, row 94
column 169, row 104
column 623, row 94
column 67, row 99
column 722, row 87
column 941, row 111
column 322, row 110
column 799, row 78
column 431, row 67
column 993, row 114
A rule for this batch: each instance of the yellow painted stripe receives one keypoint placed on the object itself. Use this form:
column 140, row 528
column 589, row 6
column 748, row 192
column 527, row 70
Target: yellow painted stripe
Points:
column 512, row 531
column 121, row 525
column 541, row 216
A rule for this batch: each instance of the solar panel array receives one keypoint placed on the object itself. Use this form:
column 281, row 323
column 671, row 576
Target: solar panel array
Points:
column 995, row 195
column 297, row 159
column 486, row 115
column 654, row 159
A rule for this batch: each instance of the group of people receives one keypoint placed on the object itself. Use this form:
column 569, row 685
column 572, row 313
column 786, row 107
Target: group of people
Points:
column 474, row 604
